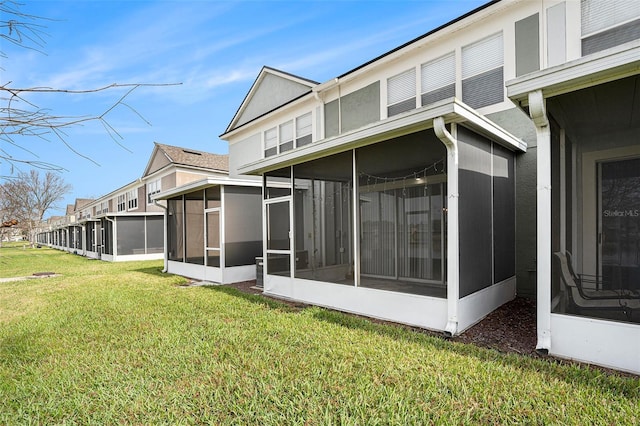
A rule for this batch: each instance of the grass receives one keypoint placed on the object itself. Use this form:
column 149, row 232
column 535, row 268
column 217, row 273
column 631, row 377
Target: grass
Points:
column 124, row 343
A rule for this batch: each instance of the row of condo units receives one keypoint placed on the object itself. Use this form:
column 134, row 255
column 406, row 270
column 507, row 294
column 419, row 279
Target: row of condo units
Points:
column 494, row 155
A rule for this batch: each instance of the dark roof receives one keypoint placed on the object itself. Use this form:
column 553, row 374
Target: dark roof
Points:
column 435, row 30
column 81, row 202
column 192, row 157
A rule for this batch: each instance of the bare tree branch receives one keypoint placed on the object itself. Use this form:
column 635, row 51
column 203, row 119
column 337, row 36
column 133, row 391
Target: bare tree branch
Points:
column 22, row 120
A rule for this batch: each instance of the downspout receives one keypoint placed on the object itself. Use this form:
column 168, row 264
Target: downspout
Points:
column 164, row 235
column 538, row 113
column 453, row 240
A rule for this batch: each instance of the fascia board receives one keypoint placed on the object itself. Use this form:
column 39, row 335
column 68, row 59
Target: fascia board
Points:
column 130, row 214
column 481, row 124
column 598, row 68
column 204, row 183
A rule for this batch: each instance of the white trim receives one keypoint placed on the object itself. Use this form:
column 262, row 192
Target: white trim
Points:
column 420, row 311
column 204, row 183
column 607, row 343
column 591, row 70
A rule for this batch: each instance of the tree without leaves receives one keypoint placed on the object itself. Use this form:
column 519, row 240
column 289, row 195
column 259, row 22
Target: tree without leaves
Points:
column 22, row 120
column 28, row 196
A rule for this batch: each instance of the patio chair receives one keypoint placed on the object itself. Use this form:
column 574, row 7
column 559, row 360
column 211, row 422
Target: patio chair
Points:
column 588, row 299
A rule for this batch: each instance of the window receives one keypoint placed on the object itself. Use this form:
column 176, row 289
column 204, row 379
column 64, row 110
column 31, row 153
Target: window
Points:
column 271, row 142
column 281, row 138
column 286, row 136
column 104, row 207
column 122, row 202
column 153, row 188
column 303, row 130
column 401, row 92
column 608, row 23
column 438, row 79
column 132, row 199
column 482, row 72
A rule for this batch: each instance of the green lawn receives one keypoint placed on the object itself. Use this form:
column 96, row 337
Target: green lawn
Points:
column 113, row 343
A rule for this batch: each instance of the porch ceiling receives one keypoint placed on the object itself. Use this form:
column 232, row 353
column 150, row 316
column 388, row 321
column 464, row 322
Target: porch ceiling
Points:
column 605, row 108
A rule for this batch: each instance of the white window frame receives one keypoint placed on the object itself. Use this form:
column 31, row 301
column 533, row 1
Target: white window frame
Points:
column 302, row 130
column 122, row 202
column 617, row 12
column 401, row 87
column 286, row 135
column 132, row 199
column 438, row 73
column 270, row 141
column 154, row 187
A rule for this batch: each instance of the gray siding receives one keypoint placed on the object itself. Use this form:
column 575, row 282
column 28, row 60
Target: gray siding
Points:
column 331, row 119
column 272, row 92
column 484, row 89
column 527, row 45
column 613, row 37
column 361, row 107
column 518, row 123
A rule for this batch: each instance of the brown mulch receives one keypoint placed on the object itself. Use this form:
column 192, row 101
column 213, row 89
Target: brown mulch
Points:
column 510, row 328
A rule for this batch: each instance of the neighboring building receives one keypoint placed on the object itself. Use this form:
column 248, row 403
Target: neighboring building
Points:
column 406, row 189
column 125, row 224
column 214, row 229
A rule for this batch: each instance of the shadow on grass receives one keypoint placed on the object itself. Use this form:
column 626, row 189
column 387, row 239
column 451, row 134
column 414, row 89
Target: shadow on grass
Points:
column 153, row 270
column 573, row 373
column 258, row 299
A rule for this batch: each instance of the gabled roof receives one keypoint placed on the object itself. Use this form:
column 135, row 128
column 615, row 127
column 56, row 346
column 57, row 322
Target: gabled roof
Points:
column 271, row 89
column 70, row 210
column 163, row 155
column 82, row 202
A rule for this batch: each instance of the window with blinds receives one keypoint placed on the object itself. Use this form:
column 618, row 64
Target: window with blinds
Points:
column 286, row 136
column 401, row 92
column 438, row 79
column 271, row 142
column 482, row 72
column 607, row 24
column 303, row 130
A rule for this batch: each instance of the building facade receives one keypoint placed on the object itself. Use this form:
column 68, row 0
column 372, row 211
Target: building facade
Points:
column 493, row 155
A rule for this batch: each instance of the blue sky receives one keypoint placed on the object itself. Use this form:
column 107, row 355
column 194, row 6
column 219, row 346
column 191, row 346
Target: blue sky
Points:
column 215, row 49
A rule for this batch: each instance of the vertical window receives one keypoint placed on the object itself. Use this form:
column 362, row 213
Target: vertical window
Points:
column 438, row 79
column 271, row 142
column 401, row 92
column 132, row 199
column 122, row 203
column 303, row 130
column 482, row 72
column 153, row 188
column 608, row 23
column 286, row 136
